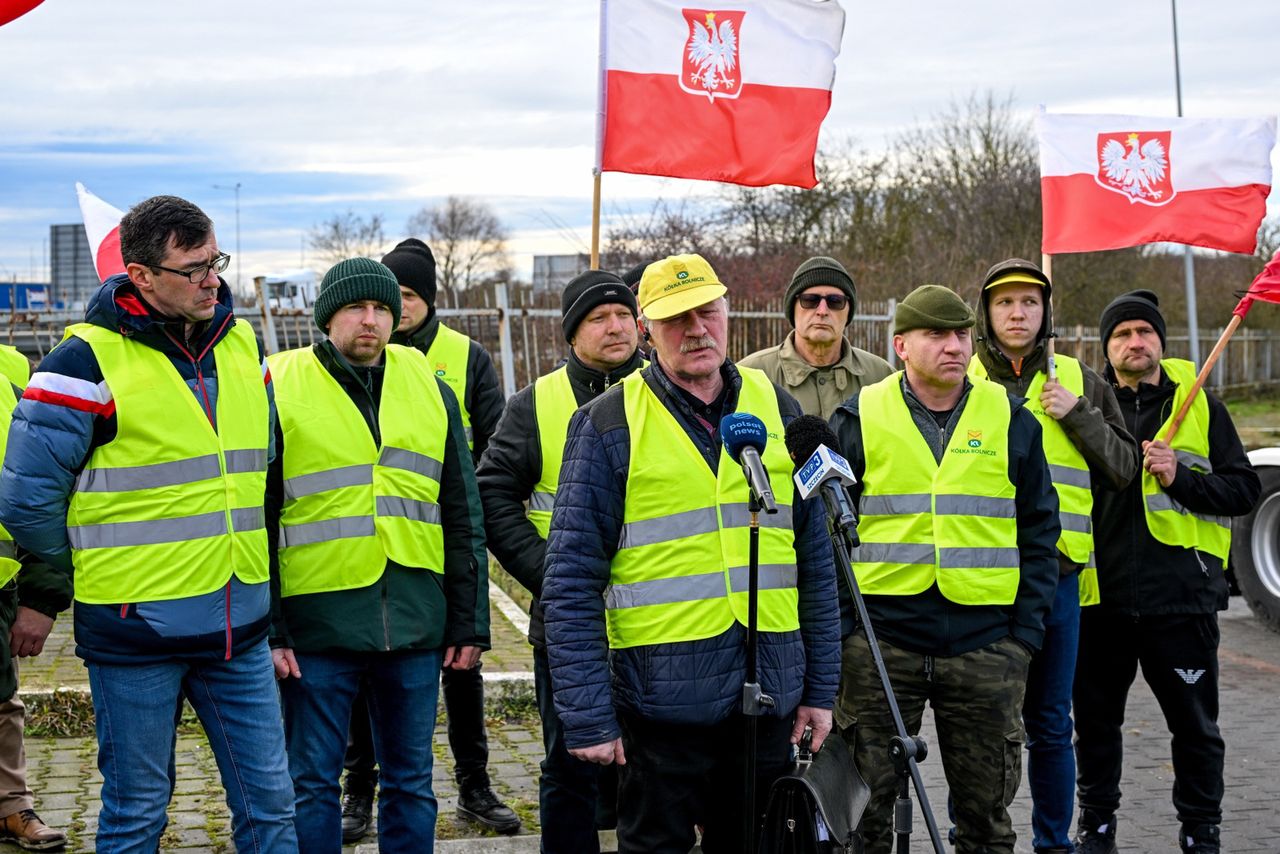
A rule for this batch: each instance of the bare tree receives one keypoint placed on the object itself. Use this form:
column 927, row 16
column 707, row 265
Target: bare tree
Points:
column 468, row 240
column 347, row 235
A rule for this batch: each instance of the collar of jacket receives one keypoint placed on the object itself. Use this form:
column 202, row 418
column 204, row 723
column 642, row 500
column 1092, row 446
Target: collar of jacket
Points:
column 118, row 306
column 596, row 382
column 1147, row 392
column 669, row 394
column 421, row 338
column 795, row 370
column 1000, row 367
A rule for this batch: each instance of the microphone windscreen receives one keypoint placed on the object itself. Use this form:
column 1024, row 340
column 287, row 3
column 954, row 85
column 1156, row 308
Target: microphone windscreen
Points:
column 805, row 434
column 739, row 430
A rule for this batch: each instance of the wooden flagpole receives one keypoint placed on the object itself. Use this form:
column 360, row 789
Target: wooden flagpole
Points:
column 601, row 84
column 595, row 222
column 1203, row 376
column 1051, row 358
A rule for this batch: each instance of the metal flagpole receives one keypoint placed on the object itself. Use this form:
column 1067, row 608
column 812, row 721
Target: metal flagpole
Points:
column 1189, row 263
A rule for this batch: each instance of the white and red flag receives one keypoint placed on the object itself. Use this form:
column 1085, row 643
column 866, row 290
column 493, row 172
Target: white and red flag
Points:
column 734, row 94
column 1108, row 182
column 102, row 227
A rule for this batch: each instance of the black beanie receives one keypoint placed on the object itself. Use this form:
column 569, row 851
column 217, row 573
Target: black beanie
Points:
column 819, row 270
column 353, row 280
column 1135, row 305
column 632, row 277
column 415, row 268
column 588, row 290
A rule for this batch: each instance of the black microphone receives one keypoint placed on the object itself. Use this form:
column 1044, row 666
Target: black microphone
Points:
column 744, row 437
column 810, row 442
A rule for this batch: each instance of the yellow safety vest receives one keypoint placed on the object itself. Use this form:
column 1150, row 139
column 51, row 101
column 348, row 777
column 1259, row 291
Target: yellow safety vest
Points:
column 681, row 569
column 14, row 365
column 1168, row 521
column 172, row 508
column 349, row 505
column 9, row 565
column 553, row 404
column 448, row 355
column 1070, row 473
column 922, row 522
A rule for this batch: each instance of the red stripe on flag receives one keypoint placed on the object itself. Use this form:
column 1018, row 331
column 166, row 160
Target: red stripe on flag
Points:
column 106, row 410
column 1080, row 216
column 767, row 135
column 108, row 261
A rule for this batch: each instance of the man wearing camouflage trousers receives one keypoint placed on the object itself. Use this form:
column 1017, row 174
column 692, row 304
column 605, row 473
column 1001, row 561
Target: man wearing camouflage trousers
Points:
column 958, row 563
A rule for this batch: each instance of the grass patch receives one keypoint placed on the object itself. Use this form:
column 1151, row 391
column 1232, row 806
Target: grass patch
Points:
column 59, row 714
column 509, row 585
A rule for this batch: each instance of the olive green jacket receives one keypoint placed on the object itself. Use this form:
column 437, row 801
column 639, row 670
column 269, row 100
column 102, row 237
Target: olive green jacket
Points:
column 819, row 390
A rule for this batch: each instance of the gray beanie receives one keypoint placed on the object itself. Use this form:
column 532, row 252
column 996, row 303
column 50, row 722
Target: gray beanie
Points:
column 819, row 270
column 353, row 280
column 932, row 307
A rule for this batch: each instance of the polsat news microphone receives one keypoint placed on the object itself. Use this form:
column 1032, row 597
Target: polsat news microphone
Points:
column 744, row 437
column 809, row 442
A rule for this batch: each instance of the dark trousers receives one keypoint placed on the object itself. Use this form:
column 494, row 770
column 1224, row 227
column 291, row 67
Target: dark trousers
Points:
column 677, row 776
column 574, row 797
column 1179, row 659
column 464, row 704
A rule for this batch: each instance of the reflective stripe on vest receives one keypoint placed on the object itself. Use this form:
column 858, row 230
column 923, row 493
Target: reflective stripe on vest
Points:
column 8, row 554
column 922, row 522
column 553, row 405
column 448, row 355
column 348, row 504
column 1168, row 521
column 172, row 508
column 1069, row 471
column 681, row 569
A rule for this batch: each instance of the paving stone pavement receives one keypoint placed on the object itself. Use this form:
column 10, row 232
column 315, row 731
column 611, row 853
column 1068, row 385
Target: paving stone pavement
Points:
column 62, row 771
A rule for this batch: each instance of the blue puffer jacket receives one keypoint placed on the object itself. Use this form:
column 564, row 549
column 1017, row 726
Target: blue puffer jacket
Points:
column 693, row 682
column 66, row 412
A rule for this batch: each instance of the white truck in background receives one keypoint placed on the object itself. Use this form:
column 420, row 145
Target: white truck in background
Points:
column 291, row 289
column 1255, row 543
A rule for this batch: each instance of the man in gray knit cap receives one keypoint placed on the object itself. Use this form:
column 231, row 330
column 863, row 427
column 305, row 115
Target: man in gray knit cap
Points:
column 958, row 564
column 816, row 362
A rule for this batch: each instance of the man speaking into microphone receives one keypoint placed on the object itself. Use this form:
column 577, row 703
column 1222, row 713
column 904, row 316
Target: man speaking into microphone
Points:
column 646, row 582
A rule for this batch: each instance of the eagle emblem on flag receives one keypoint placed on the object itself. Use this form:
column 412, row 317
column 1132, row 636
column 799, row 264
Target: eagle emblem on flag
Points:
column 712, row 65
column 1136, row 165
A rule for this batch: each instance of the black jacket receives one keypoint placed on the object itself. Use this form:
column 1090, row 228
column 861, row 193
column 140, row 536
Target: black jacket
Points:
column 512, row 466
column 406, row 608
column 484, row 398
column 1138, row 574
column 928, row 622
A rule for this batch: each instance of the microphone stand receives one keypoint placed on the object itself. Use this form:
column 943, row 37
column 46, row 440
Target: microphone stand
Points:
column 754, row 700
column 905, row 751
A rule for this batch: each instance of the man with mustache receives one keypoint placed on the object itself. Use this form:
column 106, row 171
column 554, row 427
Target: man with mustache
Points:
column 958, row 563
column 816, row 363
column 518, row 476
column 645, row 585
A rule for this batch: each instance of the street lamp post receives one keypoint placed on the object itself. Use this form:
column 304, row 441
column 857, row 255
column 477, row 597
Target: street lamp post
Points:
column 236, row 189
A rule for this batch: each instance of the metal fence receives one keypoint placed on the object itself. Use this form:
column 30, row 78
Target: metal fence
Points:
column 524, row 337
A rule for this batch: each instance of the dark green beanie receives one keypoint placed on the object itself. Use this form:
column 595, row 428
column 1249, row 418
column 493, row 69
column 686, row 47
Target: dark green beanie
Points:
column 932, row 307
column 819, row 270
column 353, row 280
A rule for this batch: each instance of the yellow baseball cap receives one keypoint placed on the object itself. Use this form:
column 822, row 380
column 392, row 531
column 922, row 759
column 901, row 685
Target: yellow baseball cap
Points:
column 1021, row 278
column 677, row 283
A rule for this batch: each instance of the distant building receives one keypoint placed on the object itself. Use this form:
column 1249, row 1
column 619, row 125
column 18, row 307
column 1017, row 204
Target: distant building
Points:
column 24, row 296
column 72, row 274
column 553, row 272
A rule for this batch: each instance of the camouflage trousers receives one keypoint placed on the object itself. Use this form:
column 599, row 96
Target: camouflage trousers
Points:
column 977, row 708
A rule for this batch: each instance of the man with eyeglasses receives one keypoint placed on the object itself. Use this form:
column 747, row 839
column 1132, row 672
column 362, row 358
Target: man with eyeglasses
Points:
column 137, row 464
column 816, row 362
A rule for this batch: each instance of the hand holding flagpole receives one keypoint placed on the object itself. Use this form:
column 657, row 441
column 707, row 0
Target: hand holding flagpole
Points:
column 1265, row 287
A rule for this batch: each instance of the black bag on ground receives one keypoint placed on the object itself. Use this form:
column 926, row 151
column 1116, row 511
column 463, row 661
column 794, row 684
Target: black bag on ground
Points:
column 817, row 807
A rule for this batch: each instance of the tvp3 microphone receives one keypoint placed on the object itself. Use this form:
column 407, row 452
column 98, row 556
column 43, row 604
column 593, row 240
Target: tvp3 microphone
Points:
column 810, row 440
column 744, row 438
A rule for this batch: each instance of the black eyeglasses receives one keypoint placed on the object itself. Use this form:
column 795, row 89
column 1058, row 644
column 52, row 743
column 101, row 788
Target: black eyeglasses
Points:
column 835, row 302
column 196, row 275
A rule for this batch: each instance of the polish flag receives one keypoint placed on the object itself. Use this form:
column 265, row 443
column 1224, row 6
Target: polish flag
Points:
column 731, row 94
column 12, row 9
column 1108, row 182
column 102, row 227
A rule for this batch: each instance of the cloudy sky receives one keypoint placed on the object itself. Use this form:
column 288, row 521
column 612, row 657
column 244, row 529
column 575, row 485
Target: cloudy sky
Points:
column 383, row 107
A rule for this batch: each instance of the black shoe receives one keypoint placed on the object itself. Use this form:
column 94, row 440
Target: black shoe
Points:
column 1096, row 833
column 483, row 807
column 1200, row 839
column 357, row 813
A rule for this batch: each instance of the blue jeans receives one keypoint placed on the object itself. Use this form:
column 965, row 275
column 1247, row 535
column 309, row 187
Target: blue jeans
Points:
column 1046, row 713
column 239, row 708
column 402, row 689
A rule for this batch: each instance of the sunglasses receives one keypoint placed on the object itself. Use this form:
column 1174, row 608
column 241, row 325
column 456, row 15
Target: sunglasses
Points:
column 835, row 302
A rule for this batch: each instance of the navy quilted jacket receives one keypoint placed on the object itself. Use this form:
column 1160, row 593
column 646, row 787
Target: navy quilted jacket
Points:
column 693, row 682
